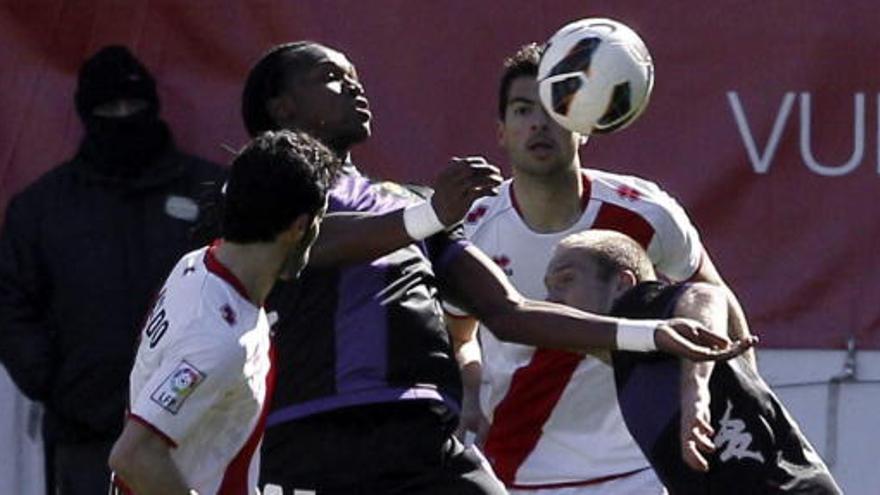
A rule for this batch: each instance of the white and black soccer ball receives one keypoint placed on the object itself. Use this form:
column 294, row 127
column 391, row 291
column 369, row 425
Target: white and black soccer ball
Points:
column 595, row 76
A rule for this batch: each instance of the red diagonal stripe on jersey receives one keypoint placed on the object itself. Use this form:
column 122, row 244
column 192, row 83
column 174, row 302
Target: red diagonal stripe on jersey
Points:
column 235, row 479
column 613, row 217
column 520, row 416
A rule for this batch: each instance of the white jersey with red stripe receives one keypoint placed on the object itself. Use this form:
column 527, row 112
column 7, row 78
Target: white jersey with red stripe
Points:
column 554, row 415
column 202, row 376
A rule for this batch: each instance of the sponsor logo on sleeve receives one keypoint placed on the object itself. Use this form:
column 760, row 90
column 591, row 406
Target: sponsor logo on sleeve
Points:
column 179, row 385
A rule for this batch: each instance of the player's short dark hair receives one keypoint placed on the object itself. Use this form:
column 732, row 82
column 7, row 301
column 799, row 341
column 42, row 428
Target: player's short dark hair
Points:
column 613, row 253
column 267, row 79
column 522, row 63
column 278, row 176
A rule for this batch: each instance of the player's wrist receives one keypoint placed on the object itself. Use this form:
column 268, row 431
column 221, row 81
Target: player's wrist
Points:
column 421, row 221
column 636, row 335
column 469, row 353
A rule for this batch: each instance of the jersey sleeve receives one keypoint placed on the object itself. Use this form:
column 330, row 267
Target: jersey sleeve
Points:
column 442, row 248
column 678, row 251
column 191, row 378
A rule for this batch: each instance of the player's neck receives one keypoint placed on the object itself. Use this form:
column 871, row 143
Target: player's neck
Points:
column 549, row 203
column 256, row 266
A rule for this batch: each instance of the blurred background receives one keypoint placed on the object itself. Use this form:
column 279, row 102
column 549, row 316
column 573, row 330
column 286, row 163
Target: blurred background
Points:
column 764, row 123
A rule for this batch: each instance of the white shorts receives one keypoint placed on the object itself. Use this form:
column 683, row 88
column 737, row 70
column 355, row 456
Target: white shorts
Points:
column 642, row 483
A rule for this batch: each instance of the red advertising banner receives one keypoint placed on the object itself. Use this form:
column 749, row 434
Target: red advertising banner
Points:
column 764, row 123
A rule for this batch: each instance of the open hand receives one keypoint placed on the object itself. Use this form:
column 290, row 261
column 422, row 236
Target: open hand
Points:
column 690, row 340
column 460, row 184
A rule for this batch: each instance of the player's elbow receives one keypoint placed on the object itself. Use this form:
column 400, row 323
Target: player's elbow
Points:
column 707, row 304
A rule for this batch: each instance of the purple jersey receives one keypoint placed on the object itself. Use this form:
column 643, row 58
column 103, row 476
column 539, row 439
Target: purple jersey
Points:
column 367, row 333
column 759, row 446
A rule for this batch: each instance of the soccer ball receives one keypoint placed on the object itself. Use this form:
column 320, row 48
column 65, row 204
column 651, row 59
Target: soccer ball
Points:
column 595, row 76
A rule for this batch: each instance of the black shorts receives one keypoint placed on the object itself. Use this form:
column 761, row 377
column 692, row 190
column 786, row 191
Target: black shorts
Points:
column 400, row 448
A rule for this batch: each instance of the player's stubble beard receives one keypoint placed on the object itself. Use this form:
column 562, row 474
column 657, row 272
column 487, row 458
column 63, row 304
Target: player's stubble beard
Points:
column 298, row 256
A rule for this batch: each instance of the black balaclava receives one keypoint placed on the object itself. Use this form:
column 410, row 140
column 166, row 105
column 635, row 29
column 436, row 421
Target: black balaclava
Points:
column 119, row 146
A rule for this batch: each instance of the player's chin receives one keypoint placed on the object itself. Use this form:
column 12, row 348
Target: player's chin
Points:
column 363, row 131
column 540, row 166
column 354, row 133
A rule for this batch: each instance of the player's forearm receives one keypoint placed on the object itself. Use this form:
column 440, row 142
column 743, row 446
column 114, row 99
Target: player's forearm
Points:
column 736, row 324
column 706, row 303
column 347, row 238
column 148, row 474
column 493, row 300
column 142, row 460
column 471, row 378
column 551, row 326
column 695, row 379
column 738, row 327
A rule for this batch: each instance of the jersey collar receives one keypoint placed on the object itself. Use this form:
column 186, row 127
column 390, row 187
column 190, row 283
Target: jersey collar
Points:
column 217, row 268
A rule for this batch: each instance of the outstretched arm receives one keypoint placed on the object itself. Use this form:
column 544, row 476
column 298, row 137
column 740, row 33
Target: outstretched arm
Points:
column 490, row 297
column 707, row 304
column 359, row 237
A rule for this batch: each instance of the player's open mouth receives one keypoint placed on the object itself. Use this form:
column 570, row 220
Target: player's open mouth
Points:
column 541, row 145
column 362, row 107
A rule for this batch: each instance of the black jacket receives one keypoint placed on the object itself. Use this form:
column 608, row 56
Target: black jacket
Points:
column 81, row 255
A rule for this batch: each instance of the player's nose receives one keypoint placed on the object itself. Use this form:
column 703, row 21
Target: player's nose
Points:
column 354, row 86
column 540, row 120
column 554, row 295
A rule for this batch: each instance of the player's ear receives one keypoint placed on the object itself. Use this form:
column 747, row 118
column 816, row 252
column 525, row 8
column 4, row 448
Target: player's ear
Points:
column 626, row 280
column 499, row 133
column 299, row 227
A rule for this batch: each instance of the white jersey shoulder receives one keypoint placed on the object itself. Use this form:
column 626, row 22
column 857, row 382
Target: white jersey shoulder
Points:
column 675, row 249
column 487, row 208
column 200, row 375
column 674, row 244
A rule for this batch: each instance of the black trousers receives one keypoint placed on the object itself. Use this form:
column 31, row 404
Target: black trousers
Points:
column 81, row 469
column 400, row 448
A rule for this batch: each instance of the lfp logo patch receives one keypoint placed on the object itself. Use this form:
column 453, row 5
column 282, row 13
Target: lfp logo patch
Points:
column 179, row 385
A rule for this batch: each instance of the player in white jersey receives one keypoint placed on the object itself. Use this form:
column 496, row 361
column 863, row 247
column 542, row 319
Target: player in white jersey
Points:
column 554, row 420
column 203, row 373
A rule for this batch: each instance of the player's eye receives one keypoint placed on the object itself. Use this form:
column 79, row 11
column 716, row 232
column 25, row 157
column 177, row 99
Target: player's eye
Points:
column 522, row 110
column 556, row 280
